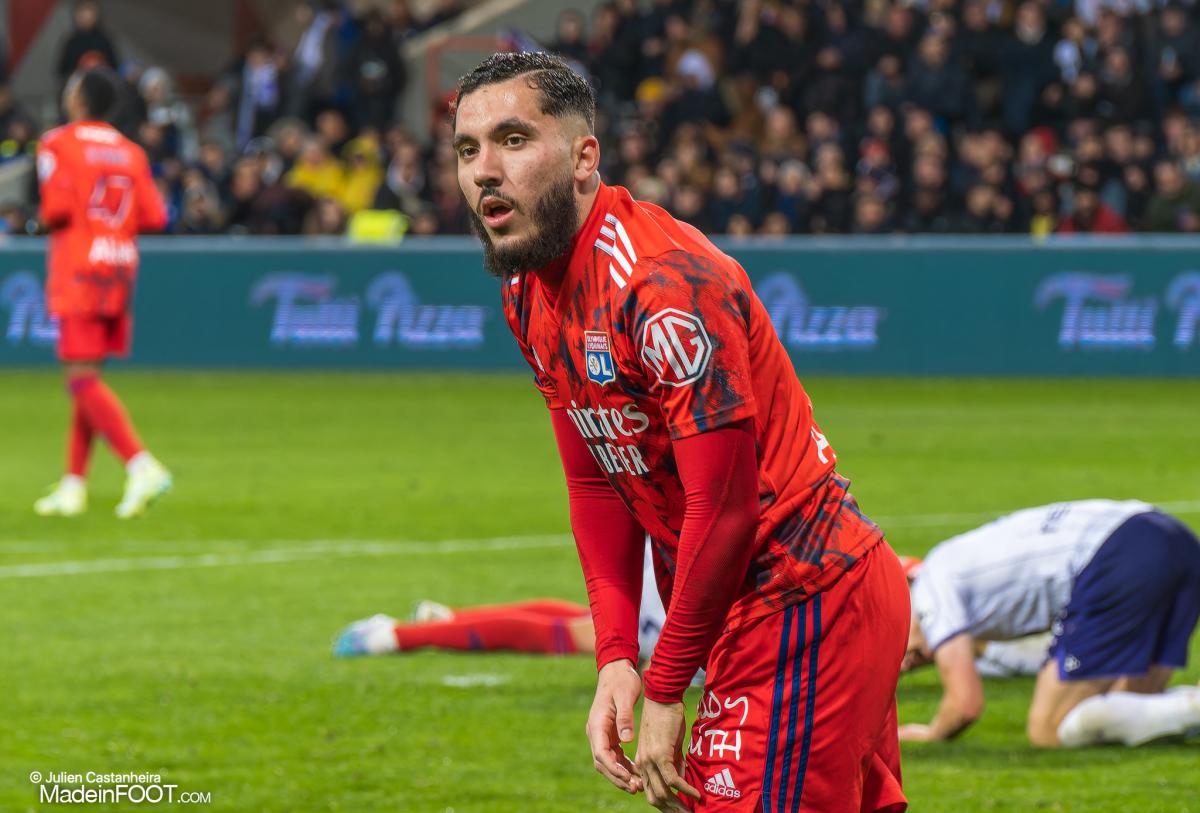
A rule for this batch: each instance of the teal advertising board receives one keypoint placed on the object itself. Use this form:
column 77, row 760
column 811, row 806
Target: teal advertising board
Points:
column 871, row 306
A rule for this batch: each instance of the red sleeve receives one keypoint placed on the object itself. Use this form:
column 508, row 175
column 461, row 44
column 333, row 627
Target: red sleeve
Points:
column 54, row 187
column 689, row 318
column 152, row 212
column 610, row 544
column 719, row 470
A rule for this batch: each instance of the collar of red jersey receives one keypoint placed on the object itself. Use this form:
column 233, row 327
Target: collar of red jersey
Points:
column 557, row 274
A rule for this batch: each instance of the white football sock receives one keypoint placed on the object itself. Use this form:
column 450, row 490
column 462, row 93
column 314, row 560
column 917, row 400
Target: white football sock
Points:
column 1131, row 718
column 139, row 461
column 73, row 482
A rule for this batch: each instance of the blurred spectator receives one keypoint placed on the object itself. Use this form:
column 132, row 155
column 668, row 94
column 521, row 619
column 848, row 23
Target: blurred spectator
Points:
column 363, row 174
column 165, row 110
column 14, row 218
column 313, row 67
column 375, row 73
column 201, row 211
column 317, row 172
column 16, row 125
column 258, row 98
column 871, row 216
column 614, row 51
column 88, row 46
column 983, row 213
column 1173, row 56
column 405, row 185
column 1089, row 215
column 569, row 40
column 326, row 217
column 1176, row 205
column 938, row 84
column 1028, row 66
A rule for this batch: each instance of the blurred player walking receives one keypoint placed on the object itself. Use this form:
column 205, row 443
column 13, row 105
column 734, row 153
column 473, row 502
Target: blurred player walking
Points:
column 677, row 411
column 96, row 195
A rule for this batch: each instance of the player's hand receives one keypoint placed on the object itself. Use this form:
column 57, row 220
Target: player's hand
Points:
column 660, row 755
column 610, row 723
column 916, row 732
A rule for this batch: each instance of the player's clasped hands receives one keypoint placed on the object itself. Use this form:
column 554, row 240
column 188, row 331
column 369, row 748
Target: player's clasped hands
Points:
column 660, row 743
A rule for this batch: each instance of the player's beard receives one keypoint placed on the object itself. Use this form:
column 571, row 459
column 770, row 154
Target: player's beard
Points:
column 554, row 222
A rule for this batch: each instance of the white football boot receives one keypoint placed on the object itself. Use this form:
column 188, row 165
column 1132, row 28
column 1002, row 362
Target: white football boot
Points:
column 425, row 611
column 67, row 499
column 147, row 480
column 371, row 636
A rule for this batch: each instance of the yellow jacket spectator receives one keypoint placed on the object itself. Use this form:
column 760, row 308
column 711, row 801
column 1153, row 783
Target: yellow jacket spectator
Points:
column 364, row 174
column 317, row 172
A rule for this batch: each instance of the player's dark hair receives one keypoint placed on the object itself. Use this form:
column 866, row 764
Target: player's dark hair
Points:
column 99, row 89
column 563, row 92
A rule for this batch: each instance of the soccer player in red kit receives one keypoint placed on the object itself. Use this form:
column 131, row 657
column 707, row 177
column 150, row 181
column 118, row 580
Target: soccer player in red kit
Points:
column 676, row 410
column 96, row 195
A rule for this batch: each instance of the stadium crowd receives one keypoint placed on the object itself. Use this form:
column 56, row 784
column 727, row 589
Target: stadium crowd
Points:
column 758, row 116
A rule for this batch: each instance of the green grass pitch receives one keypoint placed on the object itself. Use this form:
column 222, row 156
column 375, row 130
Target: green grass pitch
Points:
column 195, row 643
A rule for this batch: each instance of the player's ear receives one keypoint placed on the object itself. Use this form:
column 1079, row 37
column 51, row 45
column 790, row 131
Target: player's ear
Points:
column 585, row 156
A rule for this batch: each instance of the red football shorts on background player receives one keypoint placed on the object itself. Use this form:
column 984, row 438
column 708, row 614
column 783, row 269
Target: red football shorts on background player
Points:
column 88, row 338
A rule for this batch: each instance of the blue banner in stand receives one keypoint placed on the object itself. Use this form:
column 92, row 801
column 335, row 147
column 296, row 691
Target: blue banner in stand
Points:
column 870, row 306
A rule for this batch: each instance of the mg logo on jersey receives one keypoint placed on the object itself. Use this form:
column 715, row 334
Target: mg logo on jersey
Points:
column 676, row 345
column 598, row 357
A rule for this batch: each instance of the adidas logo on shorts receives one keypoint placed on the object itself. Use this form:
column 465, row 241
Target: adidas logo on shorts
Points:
column 721, row 784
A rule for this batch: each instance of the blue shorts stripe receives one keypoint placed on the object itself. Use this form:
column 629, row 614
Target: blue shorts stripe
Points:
column 793, row 708
column 773, row 734
column 810, row 701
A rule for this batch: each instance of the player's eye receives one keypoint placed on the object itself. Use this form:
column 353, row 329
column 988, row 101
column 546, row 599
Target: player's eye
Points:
column 514, row 140
column 467, row 150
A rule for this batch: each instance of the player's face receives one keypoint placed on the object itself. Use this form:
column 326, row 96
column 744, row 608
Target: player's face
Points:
column 515, row 171
column 917, row 654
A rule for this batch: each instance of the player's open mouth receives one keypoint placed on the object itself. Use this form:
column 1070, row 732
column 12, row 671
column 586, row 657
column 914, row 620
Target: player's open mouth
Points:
column 495, row 212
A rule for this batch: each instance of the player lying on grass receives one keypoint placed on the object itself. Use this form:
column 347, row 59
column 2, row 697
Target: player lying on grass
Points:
column 677, row 413
column 544, row 626
column 1118, row 584
column 96, row 195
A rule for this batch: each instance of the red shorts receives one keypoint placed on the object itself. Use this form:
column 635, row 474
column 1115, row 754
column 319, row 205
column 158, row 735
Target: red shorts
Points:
column 84, row 337
column 799, row 707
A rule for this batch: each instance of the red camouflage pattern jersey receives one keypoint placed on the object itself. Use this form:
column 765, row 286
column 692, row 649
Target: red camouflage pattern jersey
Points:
column 657, row 335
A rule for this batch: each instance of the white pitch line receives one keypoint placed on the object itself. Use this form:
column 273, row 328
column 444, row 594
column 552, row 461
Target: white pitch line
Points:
column 318, row 550
column 298, row 551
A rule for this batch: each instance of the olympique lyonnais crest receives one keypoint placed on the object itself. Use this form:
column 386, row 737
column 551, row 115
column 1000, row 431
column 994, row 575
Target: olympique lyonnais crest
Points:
column 676, row 346
column 598, row 357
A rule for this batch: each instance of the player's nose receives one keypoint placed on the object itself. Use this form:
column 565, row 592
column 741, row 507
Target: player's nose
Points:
column 488, row 171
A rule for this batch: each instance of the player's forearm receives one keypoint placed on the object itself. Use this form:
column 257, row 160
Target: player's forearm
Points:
column 610, row 544
column 719, row 471
column 610, row 553
column 951, row 720
column 962, row 698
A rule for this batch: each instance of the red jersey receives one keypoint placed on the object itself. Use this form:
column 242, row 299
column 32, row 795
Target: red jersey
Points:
column 97, row 194
column 657, row 336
